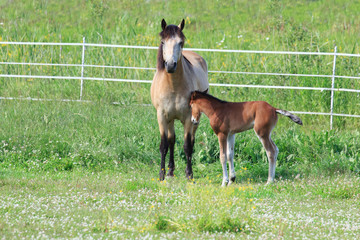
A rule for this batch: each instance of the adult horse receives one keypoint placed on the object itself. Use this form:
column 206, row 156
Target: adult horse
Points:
column 178, row 73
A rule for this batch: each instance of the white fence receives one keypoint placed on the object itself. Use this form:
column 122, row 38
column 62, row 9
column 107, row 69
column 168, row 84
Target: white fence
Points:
column 83, row 45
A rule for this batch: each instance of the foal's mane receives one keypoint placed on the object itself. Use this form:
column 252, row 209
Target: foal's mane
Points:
column 169, row 31
column 200, row 95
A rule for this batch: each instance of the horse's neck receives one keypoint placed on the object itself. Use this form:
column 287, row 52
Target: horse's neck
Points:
column 208, row 107
column 181, row 67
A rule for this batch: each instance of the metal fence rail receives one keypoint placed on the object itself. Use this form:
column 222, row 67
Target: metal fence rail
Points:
column 333, row 76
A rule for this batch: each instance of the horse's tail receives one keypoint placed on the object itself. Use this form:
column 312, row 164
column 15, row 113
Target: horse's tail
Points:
column 293, row 117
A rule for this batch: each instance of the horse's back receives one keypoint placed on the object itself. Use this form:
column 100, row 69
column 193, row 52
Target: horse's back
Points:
column 199, row 66
column 196, row 60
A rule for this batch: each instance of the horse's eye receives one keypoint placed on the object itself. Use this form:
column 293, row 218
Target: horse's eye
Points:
column 162, row 42
column 181, row 43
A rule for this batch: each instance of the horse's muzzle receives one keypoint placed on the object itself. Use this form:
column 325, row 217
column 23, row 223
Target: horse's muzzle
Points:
column 170, row 67
column 194, row 121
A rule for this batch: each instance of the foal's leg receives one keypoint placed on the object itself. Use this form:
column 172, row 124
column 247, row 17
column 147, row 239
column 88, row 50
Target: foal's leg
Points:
column 271, row 152
column 164, row 144
column 171, row 141
column 230, row 157
column 223, row 145
column 276, row 152
column 188, row 147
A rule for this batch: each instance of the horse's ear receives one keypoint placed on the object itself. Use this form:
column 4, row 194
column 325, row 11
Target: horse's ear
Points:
column 182, row 24
column 163, row 24
column 206, row 91
column 192, row 95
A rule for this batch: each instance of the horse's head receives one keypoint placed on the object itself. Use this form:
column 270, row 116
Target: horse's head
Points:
column 172, row 43
column 195, row 107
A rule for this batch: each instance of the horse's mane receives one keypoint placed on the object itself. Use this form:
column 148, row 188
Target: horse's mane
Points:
column 198, row 94
column 169, row 31
column 160, row 59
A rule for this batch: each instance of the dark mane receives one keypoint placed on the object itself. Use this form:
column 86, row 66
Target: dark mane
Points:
column 160, row 60
column 198, row 94
column 169, row 31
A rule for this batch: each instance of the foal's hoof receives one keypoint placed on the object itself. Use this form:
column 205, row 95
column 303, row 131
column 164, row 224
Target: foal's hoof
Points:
column 225, row 183
column 269, row 182
column 232, row 180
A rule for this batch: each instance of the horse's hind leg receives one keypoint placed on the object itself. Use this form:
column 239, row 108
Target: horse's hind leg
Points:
column 223, row 149
column 230, row 157
column 171, row 141
column 271, row 152
column 276, row 150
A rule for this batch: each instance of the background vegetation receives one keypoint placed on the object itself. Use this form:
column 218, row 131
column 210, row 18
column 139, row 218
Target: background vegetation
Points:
column 92, row 150
column 257, row 25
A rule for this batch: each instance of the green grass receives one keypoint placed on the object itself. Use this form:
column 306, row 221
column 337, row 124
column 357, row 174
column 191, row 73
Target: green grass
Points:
column 131, row 204
column 48, row 136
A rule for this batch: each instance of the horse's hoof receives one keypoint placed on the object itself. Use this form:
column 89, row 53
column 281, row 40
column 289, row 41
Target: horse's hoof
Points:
column 189, row 177
column 162, row 176
column 170, row 173
column 224, row 183
column 192, row 181
column 269, row 182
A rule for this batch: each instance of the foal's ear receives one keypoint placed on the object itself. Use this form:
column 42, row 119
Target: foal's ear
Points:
column 163, row 24
column 182, row 24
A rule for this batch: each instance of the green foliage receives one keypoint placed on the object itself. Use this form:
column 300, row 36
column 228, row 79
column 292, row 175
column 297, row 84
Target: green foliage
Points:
column 226, row 224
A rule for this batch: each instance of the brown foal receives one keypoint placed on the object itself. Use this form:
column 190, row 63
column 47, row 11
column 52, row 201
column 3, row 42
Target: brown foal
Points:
column 229, row 118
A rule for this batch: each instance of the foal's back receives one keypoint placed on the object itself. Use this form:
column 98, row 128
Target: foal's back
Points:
column 242, row 116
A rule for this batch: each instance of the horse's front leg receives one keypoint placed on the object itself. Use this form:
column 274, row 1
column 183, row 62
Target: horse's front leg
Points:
column 164, row 144
column 223, row 148
column 171, row 141
column 188, row 148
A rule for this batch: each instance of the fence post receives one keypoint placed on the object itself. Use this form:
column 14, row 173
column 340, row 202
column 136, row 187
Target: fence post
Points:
column 332, row 90
column 82, row 68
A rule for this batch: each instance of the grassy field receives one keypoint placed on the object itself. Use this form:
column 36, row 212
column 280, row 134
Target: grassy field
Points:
column 82, row 170
column 131, row 204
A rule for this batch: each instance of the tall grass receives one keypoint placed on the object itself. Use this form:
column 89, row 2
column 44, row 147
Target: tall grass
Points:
column 66, row 136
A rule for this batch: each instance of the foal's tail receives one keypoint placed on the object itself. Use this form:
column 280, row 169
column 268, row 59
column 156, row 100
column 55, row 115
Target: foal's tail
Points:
column 293, row 117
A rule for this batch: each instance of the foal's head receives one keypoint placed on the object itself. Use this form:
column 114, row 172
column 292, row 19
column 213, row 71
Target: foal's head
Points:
column 196, row 96
column 172, row 43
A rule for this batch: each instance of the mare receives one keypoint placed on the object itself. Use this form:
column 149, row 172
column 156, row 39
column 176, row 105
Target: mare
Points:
column 178, row 73
column 229, row 118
